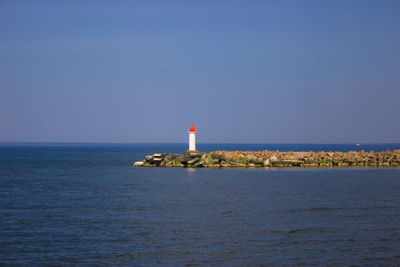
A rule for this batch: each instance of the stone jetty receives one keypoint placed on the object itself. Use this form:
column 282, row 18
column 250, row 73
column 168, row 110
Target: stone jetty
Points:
column 257, row 159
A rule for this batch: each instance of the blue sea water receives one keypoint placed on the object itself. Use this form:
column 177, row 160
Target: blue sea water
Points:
column 84, row 204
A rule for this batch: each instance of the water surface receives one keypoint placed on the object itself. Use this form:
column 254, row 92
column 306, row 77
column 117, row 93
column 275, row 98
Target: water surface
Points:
column 86, row 204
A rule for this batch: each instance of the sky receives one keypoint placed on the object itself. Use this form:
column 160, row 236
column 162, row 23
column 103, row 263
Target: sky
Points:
column 240, row 71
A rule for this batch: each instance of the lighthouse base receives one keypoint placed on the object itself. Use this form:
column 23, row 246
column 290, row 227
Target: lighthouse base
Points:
column 192, row 153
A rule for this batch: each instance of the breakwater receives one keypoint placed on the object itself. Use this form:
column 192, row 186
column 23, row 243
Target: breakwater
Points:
column 254, row 159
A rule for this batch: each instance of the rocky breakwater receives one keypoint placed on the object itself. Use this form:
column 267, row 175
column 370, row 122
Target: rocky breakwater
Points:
column 253, row 159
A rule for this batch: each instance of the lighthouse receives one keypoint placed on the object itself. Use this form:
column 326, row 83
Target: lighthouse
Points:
column 192, row 138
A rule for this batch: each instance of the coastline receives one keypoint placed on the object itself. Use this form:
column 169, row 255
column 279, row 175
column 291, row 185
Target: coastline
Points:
column 276, row 159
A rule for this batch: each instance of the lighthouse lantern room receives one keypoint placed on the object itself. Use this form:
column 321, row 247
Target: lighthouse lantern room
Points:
column 192, row 138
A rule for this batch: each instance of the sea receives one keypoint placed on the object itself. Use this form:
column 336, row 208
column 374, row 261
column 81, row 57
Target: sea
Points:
column 85, row 204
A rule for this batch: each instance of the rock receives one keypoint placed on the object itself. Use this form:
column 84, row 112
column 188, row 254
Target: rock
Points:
column 174, row 163
column 189, row 155
column 149, row 158
column 178, row 164
column 199, row 164
column 242, row 160
column 138, row 163
column 157, row 160
column 273, row 158
column 208, row 159
column 266, row 163
column 237, row 165
column 260, row 161
column 193, row 161
column 212, row 166
column 194, row 153
column 217, row 156
column 158, row 157
column 225, row 164
column 252, row 159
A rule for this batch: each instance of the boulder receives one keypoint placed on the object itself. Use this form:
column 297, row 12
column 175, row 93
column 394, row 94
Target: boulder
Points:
column 138, row 163
column 212, row 166
column 198, row 164
column 217, row 156
column 174, row 163
column 193, row 161
column 194, row 153
column 190, row 154
column 157, row 158
column 260, row 161
column 207, row 158
column 237, row 165
column 252, row 159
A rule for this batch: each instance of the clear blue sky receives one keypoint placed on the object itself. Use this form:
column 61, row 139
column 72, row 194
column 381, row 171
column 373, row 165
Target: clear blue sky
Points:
column 241, row 71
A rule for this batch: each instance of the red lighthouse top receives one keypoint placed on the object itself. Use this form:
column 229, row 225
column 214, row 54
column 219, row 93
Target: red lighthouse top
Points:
column 192, row 129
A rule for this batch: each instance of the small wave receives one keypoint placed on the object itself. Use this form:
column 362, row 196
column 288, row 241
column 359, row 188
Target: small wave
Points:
column 303, row 230
column 389, row 259
column 309, row 230
column 313, row 209
column 273, row 231
column 227, row 212
column 299, row 230
column 332, row 209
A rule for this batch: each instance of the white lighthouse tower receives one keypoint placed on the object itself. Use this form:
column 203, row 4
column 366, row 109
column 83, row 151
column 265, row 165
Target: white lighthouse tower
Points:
column 192, row 138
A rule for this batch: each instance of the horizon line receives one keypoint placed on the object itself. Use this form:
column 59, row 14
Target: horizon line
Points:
column 175, row 143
